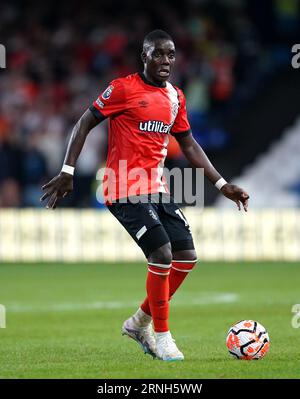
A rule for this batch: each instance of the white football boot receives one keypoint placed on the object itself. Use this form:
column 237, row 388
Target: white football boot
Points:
column 142, row 332
column 166, row 348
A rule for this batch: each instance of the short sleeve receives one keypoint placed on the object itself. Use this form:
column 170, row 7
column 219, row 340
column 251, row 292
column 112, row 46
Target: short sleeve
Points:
column 181, row 126
column 112, row 100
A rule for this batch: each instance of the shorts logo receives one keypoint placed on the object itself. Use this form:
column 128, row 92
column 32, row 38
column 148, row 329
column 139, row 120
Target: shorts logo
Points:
column 99, row 103
column 152, row 214
column 107, row 93
column 155, row 126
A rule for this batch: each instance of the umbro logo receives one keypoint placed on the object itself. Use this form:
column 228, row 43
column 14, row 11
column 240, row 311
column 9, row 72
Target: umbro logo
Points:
column 143, row 104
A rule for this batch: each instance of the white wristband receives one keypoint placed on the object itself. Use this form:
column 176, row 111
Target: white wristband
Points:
column 220, row 183
column 68, row 169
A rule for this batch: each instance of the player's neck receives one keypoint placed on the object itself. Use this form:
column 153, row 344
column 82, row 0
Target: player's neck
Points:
column 147, row 79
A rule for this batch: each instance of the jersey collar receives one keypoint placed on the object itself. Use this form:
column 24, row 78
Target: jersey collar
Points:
column 145, row 80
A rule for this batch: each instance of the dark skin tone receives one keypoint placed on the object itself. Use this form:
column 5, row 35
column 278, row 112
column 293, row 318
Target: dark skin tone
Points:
column 158, row 59
column 62, row 184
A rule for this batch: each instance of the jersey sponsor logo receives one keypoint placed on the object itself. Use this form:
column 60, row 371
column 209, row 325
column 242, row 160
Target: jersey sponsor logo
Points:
column 99, row 103
column 155, row 126
column 107, row 92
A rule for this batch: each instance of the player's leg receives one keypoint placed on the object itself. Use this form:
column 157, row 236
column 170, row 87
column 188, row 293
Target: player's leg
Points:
column 183, row 263
column 184, row 256
column 157, row 286
column 143, row 224
column 159, row 264
column 183, row 253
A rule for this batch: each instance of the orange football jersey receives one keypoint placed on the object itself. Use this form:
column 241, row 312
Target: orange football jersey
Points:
column 141, row 117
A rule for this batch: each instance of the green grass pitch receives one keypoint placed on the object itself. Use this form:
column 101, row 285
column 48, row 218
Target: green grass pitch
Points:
column 64, row 320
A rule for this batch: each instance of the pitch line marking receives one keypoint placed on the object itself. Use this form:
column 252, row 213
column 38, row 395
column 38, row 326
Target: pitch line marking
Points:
column 201, row 300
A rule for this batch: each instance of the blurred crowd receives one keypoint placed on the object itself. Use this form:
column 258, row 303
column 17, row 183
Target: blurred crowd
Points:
column 61, row 55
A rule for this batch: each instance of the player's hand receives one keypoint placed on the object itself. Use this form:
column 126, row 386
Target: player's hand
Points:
column 236, row 194
column 59, row 187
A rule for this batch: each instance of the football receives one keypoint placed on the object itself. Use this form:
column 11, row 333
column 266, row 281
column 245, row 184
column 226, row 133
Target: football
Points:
column 248, row 340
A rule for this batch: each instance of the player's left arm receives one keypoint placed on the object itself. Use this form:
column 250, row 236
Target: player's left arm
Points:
column 198, row 159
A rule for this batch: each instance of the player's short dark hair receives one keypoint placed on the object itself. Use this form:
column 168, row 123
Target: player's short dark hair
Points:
column 156, row 34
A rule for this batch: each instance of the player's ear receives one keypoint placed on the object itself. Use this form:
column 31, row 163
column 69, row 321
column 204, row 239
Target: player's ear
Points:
column 143, row 57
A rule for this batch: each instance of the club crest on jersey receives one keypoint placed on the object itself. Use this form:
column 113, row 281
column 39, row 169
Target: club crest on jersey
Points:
column 107, row 92
column 152, row 214
column 174, row 110
column 155, row 126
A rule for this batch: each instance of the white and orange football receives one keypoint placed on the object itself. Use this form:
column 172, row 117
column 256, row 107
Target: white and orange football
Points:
column 248, row 340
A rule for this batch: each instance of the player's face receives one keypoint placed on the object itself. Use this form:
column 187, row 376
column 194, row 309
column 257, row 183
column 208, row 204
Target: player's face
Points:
column 159, row 60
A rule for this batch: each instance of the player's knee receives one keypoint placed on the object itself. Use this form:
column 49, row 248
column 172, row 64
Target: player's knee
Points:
column 161, row 255
column 191, row 254
column 186, row 254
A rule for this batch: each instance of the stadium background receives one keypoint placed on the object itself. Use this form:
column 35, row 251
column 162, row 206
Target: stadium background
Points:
column 234, row 65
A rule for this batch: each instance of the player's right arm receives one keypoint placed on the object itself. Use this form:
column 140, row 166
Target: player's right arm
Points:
column 111, row 102
column 62, row 184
